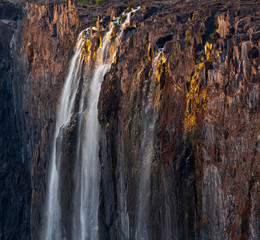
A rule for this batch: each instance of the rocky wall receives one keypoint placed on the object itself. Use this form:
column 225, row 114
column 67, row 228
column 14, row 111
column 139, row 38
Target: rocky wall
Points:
column 205, row 170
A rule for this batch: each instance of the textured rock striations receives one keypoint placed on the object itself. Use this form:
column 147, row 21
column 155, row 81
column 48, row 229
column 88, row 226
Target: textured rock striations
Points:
column 198, row 65
column 14, row 169
column 41, row 47
column 205, row 170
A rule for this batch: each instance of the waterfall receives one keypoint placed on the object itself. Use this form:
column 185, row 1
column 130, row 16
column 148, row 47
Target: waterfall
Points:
column 80, row 222
column 90, row 174
column 64, row 113
column 148, row 117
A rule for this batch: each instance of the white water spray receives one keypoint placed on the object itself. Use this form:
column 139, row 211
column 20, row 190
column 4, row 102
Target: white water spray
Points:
column 87, row 169
column 64, row 113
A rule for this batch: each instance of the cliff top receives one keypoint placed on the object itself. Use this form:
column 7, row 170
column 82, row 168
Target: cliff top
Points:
column 184, row 4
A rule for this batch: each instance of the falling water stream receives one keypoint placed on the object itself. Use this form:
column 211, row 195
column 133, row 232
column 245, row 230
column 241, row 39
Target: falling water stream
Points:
column 148, row 117
column 64, row 112
column 90, row 174
column 84, row 219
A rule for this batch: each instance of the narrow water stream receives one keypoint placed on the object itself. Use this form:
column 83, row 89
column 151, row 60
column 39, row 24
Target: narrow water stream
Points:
column 148, row 117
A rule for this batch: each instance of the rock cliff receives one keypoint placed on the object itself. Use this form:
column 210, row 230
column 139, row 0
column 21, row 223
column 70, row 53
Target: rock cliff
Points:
column 205, row 170
column 196, row 63
column 15, row 181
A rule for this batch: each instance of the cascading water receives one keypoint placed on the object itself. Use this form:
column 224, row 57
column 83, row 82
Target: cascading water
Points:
column 64, row 113
column 148, row 117
column 86, row 173
column 90, row 174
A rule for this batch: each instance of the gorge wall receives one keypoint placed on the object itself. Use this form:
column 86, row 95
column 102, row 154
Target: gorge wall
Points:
column 195, row 63
column 205, row 171
column 14, row 169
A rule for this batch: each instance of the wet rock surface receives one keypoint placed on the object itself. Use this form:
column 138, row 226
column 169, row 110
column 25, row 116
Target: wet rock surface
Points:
column 44, row 44
column 15, row 182
column 205, row 169
column 205, row 176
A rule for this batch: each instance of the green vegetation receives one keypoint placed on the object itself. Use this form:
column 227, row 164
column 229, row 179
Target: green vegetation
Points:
column 85, row 2
column 82, row 2
column 99, row 1
column 46, row 2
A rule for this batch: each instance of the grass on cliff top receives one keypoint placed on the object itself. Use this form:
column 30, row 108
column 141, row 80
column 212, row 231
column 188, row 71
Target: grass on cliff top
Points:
column 46, row 2
column 85, row 2
column 80, row 2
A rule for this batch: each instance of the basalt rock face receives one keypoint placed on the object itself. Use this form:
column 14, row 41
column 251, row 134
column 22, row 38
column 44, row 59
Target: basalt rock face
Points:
column 44, row 43
column 34, row 66
column 14, row 170
column 204, row 88
column 205, row 170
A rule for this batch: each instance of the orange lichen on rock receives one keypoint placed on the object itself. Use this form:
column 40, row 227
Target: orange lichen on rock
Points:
column 86, row 49
column 91, row 45
column 149, row 52
column 196, row 98
column 160, row 68
column 209, row 51
column 160, row 74
column 113, row 34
